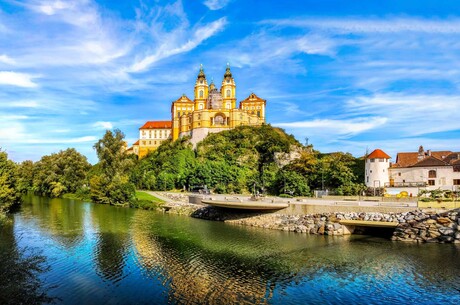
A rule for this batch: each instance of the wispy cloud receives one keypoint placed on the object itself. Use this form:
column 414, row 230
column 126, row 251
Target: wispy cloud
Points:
column 172, row 41
column 216, row 4
column 373, row 25
column 103, row 125
column 17, row 79
column 337, row 128
column 7, row 60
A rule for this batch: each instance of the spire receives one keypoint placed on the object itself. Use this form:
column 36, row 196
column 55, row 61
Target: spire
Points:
column 228, row 73
column 212, row 86
column 201, row 73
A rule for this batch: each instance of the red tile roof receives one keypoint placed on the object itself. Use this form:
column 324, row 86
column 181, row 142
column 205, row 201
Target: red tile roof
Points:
column 157, row 125
column 426, row 158
column 378, row 154
column 136, row 143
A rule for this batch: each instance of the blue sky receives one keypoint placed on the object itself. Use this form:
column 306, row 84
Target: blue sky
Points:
column 347, row 75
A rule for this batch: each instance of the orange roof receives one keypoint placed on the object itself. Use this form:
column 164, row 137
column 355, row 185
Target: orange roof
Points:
column 408, row 159
column 136, row 143
column 157, row 125
column 253, row 98
column 183, row 99
column 378, row 154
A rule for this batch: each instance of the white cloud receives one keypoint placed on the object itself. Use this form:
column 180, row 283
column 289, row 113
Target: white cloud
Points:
column 216, row 4
column 345, row 127
column 410, row 115
column 103, row 125
column 61, row 141
column 17, row 79
column 362, row 25
column 7, row 60
column 179, row 42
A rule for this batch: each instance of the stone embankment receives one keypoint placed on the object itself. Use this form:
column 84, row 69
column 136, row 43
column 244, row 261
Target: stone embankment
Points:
column 417, row 226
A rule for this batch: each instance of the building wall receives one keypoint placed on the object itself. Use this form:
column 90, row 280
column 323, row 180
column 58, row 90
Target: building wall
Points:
column 150, row 139
column 444, row 179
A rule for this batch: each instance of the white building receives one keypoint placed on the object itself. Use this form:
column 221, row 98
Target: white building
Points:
column 414, row 170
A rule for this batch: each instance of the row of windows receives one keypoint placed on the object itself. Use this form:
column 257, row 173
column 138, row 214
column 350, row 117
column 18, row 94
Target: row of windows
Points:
column 380, row 160
column 160, row 134
column 150, row 142
column 251, row 107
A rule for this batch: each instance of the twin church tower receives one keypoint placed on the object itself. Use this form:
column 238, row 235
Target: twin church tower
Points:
column 211, row 110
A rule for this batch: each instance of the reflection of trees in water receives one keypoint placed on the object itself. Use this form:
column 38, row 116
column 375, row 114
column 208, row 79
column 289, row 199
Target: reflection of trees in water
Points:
column 62, row 218
column 19, row 282
column 203, row 263
column 113, row 239
column 197, row 268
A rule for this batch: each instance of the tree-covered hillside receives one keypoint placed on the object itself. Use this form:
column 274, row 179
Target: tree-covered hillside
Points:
column 247, row 159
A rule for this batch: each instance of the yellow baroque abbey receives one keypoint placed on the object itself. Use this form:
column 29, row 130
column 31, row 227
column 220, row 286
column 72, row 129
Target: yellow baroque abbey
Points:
column 211, row 110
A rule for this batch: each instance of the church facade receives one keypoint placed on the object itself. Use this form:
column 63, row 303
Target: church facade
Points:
column 211, row 110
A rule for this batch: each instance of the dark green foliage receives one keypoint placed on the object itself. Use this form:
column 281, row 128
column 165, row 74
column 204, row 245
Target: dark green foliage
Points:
column 292, row 183
column 109, row 180
column 56, row 174
column 243, row 160
column 9, row 194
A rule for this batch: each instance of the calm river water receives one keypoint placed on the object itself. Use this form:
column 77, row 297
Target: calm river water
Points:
column 97, row 254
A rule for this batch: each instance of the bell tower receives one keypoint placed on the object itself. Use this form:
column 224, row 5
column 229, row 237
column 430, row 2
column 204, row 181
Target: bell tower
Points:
column 201, row 90
column 228, row 90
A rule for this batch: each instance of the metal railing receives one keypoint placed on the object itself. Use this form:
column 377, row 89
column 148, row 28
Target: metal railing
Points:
column 405, row 184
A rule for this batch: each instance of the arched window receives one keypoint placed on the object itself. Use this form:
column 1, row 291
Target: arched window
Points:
column 200, row 106
column 228, row 92
column 228, row 105
column 432, row 174
column 201, row 93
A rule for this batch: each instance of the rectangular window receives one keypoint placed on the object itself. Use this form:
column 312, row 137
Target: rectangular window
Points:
column 456, row 181
column 456, row 168
column 381, row 160
column 431, row 182
column 258, row 114
column 372, row 160
column 399, row 174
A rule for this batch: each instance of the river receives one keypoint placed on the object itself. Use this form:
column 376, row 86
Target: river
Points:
column 83, row 253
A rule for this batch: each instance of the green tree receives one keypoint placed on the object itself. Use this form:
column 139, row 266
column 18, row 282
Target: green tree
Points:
column 293, row 183
column 109, row 181
column 9, row 194
column 25, row 176
column 59, row 173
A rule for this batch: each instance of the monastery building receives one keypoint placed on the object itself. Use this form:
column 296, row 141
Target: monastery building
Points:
column 211, row 110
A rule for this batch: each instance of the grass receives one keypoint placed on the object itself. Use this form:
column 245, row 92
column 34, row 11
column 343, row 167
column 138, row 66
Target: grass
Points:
column 146, row 201
column 146, row 196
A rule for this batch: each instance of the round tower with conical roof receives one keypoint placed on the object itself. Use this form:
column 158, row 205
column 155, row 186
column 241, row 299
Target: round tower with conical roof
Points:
column 377, row 169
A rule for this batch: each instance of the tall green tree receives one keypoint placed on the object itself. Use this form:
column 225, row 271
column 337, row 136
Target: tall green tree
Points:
column 110, row 181
column 9, row 194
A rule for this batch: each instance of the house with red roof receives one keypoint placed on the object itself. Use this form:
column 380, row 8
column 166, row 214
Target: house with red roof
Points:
column 414, row 170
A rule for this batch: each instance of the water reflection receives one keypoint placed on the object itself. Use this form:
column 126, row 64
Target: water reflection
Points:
column 19, row 271
column 103, row 254
column 61, row 219
column 113, row 240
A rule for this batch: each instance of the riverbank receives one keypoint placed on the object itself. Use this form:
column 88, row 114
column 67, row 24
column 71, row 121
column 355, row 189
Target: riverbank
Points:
column 415, row 226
